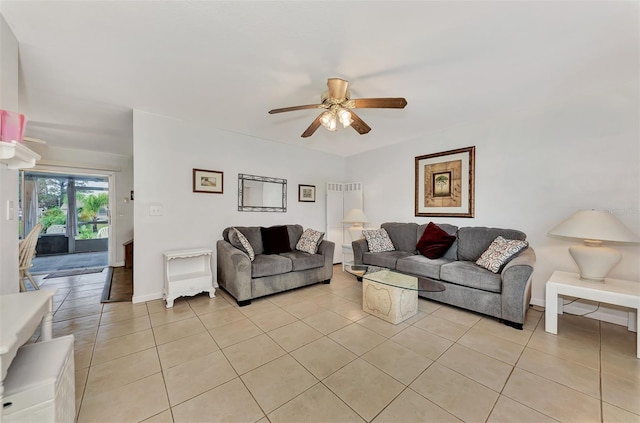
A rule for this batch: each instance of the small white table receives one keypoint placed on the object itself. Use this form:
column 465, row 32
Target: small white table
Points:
column 187, row 272
column 612, row 291
column 347, row 255
column 20, row 316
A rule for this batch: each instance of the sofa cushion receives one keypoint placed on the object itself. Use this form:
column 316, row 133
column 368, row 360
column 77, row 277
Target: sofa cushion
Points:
column 241, row 243
column 452, row 252
column 253, row 235
column 473, row 241
column 386, row 259
column 421, row 266
column 403, row 235
column 294, row 231
column 275, row 240
column 434, row 242
column 500, row 252
column 309, row 241
column 303, row 261
column 270, row 264
column 378, row 240
column 467, row 273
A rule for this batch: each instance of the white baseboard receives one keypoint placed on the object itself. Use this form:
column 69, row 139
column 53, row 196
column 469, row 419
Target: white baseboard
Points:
column 119, row 264
column 144, row 298
column 605, row 313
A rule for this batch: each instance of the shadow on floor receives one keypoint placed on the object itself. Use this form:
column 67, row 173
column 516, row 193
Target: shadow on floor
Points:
column 47, row 264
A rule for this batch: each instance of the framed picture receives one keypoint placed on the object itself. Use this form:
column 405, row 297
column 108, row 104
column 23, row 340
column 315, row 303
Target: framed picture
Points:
column 444, row 183
column 209, row 181
column 307, row 193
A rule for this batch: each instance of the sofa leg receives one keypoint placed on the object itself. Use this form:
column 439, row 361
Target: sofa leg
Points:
column 513, row 325
column 243, row 303
column 327, row 282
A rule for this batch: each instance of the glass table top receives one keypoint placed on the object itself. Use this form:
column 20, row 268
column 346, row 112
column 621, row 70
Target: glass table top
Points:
column 394, row 278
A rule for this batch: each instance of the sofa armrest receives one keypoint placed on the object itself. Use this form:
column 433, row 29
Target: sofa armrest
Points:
column 360, row 247
column 326, row 248
column 233, row 270
column 516, row 286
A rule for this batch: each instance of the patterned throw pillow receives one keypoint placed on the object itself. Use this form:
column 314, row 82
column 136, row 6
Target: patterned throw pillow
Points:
column 378, row 240
column 500, row 252
column 309, row 241
column 238, row 240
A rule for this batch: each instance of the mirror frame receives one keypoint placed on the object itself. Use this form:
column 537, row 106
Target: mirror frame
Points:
column 244, row 177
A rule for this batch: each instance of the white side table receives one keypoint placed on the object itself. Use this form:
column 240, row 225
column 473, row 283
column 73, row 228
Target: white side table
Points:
column 612, row 291
column 347, row 255
column 20, row 316
column 186, row 273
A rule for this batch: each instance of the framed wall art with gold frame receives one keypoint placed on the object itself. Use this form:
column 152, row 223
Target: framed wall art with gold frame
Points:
column 445, row 183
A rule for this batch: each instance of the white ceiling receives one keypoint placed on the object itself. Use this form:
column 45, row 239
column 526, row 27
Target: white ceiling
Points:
column 85, row 65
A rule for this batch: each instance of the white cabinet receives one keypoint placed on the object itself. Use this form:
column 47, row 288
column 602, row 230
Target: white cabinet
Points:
column 186, row 273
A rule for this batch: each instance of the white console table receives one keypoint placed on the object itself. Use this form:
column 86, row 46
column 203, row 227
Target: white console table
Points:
column 612, row 291
column 20, row 316
column 186, row 273
column 347, row 255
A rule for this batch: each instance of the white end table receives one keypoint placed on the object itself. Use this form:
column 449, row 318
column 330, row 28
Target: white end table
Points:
column 186, row 273
column 347, row 255
column 612, row 291
column 20, row 316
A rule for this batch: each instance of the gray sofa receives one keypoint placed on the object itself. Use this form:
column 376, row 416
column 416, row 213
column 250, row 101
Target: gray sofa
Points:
column 270, row 273
column 504, row 295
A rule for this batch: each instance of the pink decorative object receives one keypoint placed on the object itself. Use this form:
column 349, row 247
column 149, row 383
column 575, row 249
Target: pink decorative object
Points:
column 12, row 126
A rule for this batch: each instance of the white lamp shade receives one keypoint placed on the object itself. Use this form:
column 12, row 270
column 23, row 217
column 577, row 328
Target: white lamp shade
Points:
column 355, row 216
column 597, row 225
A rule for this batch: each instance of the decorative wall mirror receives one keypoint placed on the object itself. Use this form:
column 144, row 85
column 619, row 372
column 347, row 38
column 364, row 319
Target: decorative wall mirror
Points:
column 261, row 193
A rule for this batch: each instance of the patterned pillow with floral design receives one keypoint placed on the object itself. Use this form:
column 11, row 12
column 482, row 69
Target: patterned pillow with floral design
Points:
column 378, row 240
column 238, row 240
column 500, row 252
column 309, row 241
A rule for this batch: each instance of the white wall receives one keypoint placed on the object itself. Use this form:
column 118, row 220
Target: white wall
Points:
column 534, row 167
column 95, row 162
column 166, row 150
column 8, row 178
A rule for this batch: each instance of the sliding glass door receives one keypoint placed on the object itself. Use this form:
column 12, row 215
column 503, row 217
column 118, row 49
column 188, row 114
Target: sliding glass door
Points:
column 73, row 209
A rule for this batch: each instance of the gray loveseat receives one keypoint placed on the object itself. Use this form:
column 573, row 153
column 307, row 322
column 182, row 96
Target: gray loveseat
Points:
column 270, row 273
column 504, row 295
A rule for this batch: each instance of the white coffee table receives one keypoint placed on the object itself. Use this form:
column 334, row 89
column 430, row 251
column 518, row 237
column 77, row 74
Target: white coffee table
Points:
column 612, row 291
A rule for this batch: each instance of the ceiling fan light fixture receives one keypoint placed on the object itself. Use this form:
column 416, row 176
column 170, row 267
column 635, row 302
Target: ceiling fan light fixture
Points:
column 345, row 117
column 328, row 120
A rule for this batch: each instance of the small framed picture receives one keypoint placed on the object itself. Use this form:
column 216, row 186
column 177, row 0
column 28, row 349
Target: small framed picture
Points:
column 307, row 193
column 209, row 181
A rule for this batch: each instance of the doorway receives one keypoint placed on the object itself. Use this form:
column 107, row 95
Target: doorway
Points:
column 74, row 212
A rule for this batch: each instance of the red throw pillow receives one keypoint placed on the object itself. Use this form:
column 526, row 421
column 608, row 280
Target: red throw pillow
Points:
column 434, row 242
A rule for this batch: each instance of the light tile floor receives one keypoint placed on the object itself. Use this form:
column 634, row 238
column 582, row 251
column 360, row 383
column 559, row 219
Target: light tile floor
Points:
column 312, row 355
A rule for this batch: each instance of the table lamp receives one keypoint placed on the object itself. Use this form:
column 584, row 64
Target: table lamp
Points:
column 594, row 226
column 357, row 217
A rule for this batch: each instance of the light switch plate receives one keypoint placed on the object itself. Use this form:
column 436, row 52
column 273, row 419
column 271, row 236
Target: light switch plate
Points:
column 155, row 210
column 11, row 210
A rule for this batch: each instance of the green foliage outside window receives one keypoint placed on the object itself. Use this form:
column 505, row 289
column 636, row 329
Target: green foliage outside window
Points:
column 53, row 216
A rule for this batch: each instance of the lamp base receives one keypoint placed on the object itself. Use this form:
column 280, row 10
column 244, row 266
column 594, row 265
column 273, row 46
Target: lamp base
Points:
column 594, row 261
column 356, row 232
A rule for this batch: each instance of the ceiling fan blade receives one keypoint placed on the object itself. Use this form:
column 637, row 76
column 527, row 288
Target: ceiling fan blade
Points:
column 383, row 103
column 337, row 87
column 358, row 124
column 313, row 127
column 293, row 108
